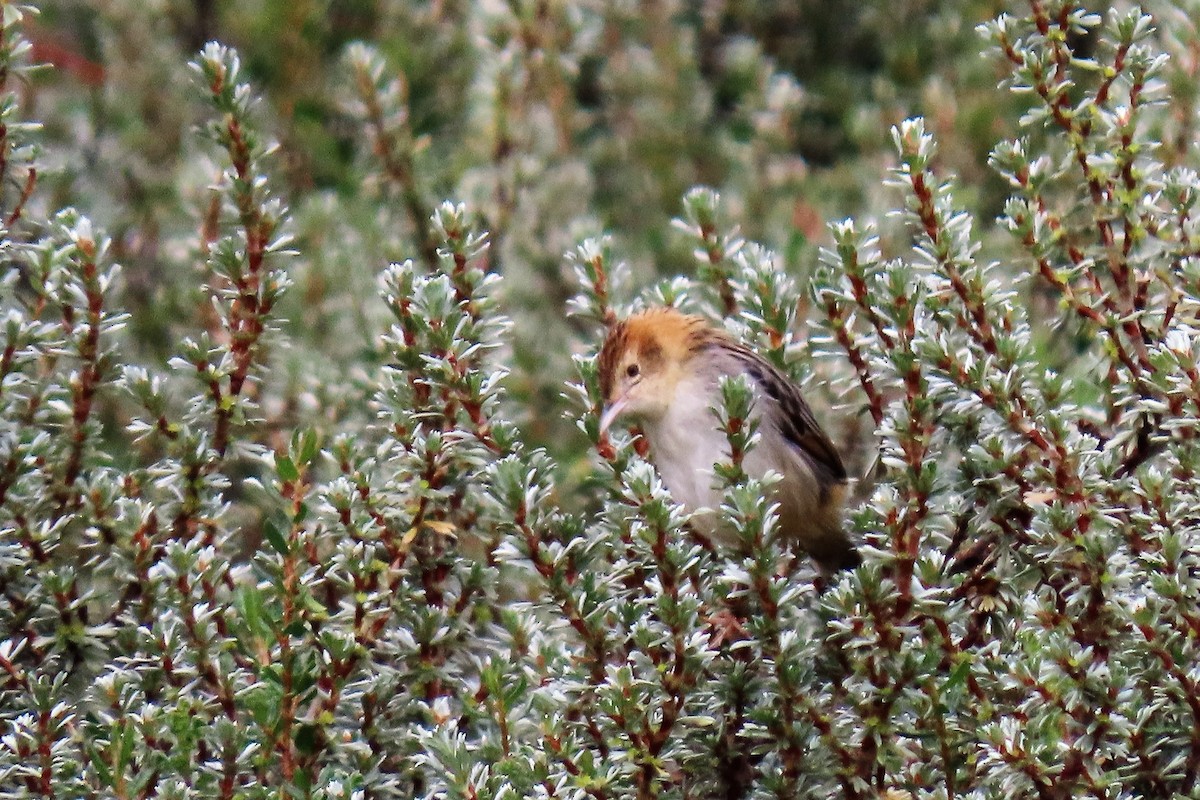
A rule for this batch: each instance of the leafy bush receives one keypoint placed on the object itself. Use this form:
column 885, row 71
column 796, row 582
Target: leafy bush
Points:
column 263, row 540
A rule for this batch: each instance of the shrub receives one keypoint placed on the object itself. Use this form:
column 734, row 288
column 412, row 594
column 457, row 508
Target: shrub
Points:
column 311, row 552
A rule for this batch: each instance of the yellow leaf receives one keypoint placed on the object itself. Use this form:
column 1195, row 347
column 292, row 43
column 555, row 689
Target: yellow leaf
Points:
column 441, row 527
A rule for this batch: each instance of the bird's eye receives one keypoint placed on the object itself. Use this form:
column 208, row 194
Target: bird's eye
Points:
column 633, row 370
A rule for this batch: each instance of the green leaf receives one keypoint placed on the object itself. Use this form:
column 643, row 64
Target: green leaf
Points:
column 128, row 740
column 273, row 535
column 248, row 601
column 97, row 760
column 263, row 702
column 959, row 675
column 307, row 738
column 305, row 446
column 286, row 469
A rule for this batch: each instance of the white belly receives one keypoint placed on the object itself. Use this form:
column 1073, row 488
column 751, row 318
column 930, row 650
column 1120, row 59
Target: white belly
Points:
column 685, row 443
column 684, row 453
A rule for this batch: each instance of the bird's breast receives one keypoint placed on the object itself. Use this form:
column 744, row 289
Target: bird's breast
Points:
column 684, row 445
column 686, row 442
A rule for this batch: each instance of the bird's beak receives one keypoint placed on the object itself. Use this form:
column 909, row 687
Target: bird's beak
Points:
column 612, row 411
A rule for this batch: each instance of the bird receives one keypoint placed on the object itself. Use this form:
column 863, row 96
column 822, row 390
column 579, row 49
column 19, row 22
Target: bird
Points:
column 662, row 368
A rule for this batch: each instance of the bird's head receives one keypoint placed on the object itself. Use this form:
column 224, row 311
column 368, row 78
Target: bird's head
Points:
column 642, row 361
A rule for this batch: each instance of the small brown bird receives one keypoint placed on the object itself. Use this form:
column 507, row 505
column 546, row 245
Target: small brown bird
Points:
column 662, row 368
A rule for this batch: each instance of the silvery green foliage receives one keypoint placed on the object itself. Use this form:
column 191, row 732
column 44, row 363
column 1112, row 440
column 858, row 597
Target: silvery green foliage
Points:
column 1035, row 501
column 205, row 597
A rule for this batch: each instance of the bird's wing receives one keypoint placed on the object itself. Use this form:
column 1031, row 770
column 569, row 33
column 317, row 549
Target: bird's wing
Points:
column 795, row 418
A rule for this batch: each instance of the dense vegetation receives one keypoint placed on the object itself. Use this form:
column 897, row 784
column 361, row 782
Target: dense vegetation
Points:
column 302, row 491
